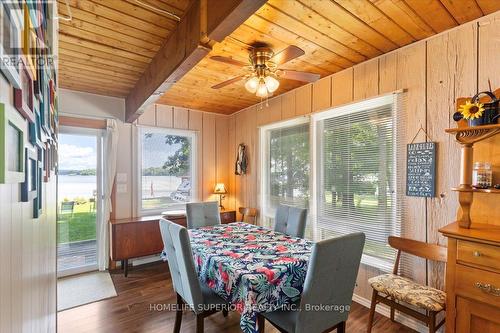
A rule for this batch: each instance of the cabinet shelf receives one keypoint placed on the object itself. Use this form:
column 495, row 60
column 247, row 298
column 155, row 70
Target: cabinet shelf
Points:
column 471, row 135
column 476, row 190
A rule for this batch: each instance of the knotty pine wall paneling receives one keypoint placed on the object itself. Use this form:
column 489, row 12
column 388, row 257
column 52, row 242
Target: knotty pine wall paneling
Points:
column 303, row 100
column 451, row 72
column 411, row 74
column 342, row 87
column 434, row 72
column 288, row 105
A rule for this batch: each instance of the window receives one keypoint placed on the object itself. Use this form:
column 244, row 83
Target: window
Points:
column 166, row 169
column 285, row 177
column 356, row 175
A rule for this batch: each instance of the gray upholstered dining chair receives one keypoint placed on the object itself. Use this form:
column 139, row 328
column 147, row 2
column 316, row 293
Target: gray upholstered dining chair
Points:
column 290, row 220
column 202, row 214
column 329, row 282
column 188, row 288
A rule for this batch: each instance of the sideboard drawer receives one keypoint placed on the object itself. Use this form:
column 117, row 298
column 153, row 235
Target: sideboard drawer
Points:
column 228, row 217
column 477, row 254
column 478, row 284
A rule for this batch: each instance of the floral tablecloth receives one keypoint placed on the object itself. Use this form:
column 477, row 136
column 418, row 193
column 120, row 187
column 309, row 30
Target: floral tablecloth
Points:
column 254, row 268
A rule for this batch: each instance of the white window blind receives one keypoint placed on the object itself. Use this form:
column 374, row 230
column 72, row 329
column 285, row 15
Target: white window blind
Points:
column 285, row 168
column 358, row 175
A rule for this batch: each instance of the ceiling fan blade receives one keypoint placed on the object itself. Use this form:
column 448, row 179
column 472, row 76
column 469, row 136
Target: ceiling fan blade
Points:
column 230, row 61
column 228, row 82
column 287, row 54
column 299, row 76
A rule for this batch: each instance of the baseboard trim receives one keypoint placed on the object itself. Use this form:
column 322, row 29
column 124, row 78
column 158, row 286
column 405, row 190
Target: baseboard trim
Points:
column 399, row 317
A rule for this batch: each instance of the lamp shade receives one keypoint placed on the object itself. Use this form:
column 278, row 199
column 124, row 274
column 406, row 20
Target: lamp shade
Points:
column 220, row 189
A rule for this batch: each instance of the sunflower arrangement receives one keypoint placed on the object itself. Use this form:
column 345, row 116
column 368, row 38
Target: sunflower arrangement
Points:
column 471, row 110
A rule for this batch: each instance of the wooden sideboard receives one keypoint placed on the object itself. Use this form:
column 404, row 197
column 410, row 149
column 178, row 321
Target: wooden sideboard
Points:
column 140, row 236
column 473, row 278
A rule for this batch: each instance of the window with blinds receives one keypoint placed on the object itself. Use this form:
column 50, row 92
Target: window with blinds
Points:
column 357, row 174
column 285, row 167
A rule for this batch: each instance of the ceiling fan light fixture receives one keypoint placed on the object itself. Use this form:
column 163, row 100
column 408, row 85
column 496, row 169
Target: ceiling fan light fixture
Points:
column 272, row 83
column 252, row 84
column 262, row 91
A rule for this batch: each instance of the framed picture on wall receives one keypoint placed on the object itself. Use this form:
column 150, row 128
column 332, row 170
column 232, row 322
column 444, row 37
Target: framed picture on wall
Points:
column 23, row 98
column 35, row 128
column 46, row 162
column 11, row 40
column 30, row 185
column 12, row 128
column 29, row 43
column 45, row 106
column 37, row 202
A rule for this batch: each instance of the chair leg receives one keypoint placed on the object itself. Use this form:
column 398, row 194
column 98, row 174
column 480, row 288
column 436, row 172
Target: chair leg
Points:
column 199, row 323
column 341, row 327
column 372, row 311
column 261, row 322
column 178, row 315
column 432, row 322
column 393, row 310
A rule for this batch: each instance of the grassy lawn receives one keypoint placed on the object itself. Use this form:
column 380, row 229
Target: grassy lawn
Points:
column 77, row 227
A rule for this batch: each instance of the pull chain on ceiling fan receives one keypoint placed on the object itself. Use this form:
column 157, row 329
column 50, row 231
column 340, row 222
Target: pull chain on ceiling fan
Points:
column 263, row 75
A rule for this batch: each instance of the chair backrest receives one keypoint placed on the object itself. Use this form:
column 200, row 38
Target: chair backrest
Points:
column 67, row 207
column 290, row 220
column 181, row 264
column 202, row 214
column 330, row 280
column 420, row 249
column 248, row 212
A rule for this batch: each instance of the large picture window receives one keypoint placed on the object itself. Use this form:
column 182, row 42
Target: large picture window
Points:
column 285, row 177
column 356, row 174
column 166, row 169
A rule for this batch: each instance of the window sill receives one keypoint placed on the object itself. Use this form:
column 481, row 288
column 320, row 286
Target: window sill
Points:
column 380, row 264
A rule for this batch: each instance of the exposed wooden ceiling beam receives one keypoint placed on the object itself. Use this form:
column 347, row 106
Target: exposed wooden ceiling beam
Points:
column 206, row 22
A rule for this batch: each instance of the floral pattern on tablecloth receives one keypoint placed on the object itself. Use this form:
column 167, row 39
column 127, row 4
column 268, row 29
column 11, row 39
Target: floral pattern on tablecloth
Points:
column 254, row 268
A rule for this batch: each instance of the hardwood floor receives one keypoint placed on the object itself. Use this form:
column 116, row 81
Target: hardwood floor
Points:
column 133, row 310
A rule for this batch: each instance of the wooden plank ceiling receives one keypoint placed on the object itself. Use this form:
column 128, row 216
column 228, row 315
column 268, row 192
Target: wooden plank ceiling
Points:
column 107, row 45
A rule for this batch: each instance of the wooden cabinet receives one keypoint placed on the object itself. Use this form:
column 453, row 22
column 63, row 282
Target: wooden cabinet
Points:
column 140, row 236
column 473, row 278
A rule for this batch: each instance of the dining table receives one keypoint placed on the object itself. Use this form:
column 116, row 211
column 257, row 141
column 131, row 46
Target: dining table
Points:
column 255, row 269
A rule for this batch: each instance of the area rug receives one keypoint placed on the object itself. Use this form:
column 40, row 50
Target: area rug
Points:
column 84, row 288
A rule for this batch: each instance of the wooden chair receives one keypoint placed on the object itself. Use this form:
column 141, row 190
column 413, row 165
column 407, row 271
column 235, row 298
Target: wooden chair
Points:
column 67, row 207
column 398, row 290
column 249, row 212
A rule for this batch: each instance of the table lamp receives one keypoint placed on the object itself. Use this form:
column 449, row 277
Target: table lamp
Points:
column 220, row 189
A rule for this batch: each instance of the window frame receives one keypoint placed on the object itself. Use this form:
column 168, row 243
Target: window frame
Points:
column 264, row 138
column 193, row 135
column 317, row 149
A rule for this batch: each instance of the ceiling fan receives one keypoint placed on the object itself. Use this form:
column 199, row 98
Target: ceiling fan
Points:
column 263, row 74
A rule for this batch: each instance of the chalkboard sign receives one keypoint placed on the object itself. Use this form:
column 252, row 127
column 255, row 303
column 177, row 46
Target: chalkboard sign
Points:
column 421, row 169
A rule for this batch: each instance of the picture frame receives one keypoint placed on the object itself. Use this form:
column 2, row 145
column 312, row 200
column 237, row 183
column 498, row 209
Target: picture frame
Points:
column 46, row 162
column 11, row 39
column 12, row 136
column 23, row 97
column 37, row 201
column 45, row 106
column 35, row 128
column 29, row 187
column 29, row 42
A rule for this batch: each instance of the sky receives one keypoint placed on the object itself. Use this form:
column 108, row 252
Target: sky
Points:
column 77, row 152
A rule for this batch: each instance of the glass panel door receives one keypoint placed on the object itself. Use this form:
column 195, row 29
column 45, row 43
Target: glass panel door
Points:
column 79, row 190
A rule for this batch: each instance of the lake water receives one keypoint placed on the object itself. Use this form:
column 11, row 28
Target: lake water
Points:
column 71, row 187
